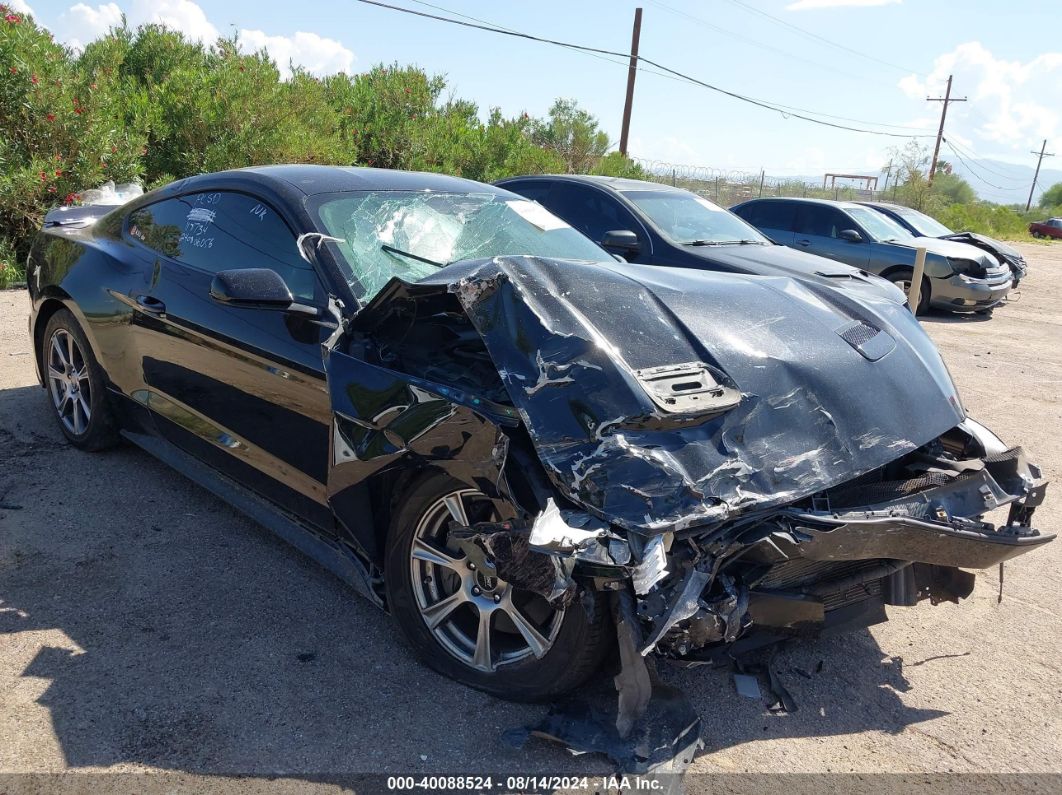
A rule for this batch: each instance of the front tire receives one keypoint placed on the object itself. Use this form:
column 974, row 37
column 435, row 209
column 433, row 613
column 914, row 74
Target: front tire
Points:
column 902, row 279
column 76, row 385
column 479, row 630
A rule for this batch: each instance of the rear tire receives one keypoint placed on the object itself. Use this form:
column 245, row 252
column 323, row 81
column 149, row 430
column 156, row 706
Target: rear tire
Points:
column 444, row 606
column 76, row 385
column 902, row 279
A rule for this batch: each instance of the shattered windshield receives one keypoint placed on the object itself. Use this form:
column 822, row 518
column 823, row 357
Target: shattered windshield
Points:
column 687, row 218
column 409, row 234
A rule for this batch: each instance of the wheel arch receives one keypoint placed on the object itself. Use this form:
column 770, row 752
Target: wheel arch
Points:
column 47, row 309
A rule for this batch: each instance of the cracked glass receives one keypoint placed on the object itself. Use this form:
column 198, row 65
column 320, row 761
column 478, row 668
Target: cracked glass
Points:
column 409, row 234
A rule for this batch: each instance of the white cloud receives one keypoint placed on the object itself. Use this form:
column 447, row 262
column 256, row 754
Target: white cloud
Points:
column 808, row 5
column 80, row 24
column 19, row 7
column 181, row 15
column 1010, row 103
column 319, row 55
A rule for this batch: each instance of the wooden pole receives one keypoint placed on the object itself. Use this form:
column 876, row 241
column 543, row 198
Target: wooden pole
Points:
column 914, row 294
column 1036, row 176
column 940, row 132
column 632, row 72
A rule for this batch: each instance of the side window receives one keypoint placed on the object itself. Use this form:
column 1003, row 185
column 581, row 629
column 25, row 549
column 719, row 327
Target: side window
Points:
column 770, row 215
column 822, row 221
column 222, row 230
column 535, row 191
column 590, row 211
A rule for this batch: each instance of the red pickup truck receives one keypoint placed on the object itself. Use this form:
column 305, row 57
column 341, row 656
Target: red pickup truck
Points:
column 1052, row 227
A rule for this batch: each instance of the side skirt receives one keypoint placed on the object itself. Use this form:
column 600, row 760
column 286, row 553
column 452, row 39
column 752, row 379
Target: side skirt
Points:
column 340, row 562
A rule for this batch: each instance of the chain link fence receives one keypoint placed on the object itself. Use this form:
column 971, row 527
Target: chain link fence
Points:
column 727, row 187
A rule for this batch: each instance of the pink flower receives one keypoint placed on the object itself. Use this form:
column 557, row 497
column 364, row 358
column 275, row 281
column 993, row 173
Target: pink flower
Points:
column 34, row 80
column 14, row 19
column 50, row 117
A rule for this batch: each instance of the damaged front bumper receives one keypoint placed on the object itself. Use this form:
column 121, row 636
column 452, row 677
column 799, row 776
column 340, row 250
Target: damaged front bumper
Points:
column 832, row 561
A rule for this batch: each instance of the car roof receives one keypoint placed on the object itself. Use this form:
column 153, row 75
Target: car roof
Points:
column 314, row 179
column 885, row 205
column 618, row 184
column 801, row 200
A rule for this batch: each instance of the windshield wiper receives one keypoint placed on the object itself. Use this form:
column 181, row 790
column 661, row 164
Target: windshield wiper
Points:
column 723, row 243
column 401, row 253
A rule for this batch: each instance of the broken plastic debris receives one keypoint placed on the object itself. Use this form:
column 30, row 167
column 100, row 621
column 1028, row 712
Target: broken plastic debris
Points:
column 551, row 533
column 653, row 567
column 747, row 685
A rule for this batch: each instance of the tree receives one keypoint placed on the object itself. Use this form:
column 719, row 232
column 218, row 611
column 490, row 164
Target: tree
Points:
column 572, row 133
column 1052, row 197
column 952, row 188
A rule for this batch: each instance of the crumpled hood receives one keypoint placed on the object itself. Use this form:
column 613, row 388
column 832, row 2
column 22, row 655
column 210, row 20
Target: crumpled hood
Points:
column 825, row 387
column 951, row 249
column 775, row 260
column 993, row 246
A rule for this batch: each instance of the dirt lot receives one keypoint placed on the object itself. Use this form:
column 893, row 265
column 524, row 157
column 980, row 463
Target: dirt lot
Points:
column 146, row 626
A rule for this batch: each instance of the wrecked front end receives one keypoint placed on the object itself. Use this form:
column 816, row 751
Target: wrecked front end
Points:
column 733, row 460
column 741, row 454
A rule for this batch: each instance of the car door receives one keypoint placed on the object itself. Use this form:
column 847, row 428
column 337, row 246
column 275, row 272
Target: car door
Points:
column 594, row 212
column 242, row 389
column 819, row 229
column 775, row 218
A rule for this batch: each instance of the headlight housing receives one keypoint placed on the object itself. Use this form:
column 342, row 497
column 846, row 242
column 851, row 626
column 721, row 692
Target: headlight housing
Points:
column 967, row 267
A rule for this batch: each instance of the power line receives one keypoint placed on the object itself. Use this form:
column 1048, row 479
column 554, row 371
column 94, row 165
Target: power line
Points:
column 823, row 39
column 592, row 54
column 641, row 59
column 973, row 155
column 763, row 45
column 973, row 172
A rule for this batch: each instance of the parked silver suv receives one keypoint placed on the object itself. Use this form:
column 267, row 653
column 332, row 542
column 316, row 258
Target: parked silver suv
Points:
column 958, row 277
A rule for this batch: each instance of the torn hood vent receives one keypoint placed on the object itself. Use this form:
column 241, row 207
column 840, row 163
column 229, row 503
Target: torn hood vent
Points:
column 662, row 398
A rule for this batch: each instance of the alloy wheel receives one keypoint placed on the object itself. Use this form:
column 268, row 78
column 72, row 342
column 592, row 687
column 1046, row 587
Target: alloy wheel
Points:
column 481, row 620
column 68, row 382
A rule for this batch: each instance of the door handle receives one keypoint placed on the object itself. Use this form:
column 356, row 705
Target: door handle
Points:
column 803, row 242
column 150, row 304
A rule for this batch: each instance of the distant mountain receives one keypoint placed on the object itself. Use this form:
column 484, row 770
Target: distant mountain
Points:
column 1006, row 183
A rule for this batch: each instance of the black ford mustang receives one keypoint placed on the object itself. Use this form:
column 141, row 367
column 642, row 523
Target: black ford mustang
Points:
column 526, row 451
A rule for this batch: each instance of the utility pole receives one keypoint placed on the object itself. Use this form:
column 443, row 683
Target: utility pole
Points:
column 1036, row 176
column 632, row 72
column 946, row 99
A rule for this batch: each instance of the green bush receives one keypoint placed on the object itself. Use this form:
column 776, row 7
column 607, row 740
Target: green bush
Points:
column 149, row 105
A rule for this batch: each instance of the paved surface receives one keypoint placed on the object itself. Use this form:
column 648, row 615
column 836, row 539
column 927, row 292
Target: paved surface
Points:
column 146, row 626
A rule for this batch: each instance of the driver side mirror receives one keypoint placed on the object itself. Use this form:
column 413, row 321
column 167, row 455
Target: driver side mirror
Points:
column 259, row 288
column 620, row 241
column 851, row 235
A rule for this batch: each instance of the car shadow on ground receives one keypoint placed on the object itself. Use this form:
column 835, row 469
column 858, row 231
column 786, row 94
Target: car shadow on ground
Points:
column 939, row 316
column 171, row 632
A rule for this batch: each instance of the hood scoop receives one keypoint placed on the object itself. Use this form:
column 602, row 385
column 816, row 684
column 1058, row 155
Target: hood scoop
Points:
column 687, row 389
column 871, row 342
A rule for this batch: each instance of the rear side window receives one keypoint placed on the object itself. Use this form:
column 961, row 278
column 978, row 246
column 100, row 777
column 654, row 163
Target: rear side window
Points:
column 769, row 215
column 535, row 191
column 222, row 230
column 822, row 221
column 590, row 211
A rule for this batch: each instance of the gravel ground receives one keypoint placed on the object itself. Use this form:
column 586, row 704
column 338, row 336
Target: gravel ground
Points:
column 146, row 626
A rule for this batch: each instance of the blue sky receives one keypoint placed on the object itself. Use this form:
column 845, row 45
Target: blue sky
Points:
column 1007, row 58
